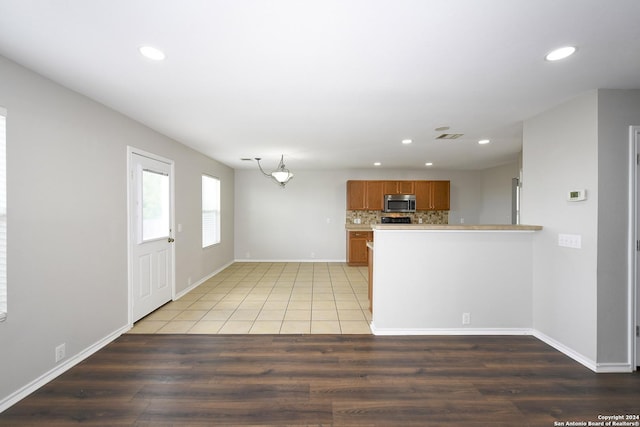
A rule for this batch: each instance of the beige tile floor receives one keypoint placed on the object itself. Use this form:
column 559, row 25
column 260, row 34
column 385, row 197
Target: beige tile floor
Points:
column 270, row 298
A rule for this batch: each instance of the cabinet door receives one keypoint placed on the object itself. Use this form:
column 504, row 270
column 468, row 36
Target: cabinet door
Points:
column 398, row 187
column 390, row 187
column 440, row 199
column 375, row 196
column 423, row 195
column 432, row 195
column 406, row 187
column 357, row 247
column 356, row 191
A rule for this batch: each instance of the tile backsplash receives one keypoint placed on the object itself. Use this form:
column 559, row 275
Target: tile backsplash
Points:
column 373, row 217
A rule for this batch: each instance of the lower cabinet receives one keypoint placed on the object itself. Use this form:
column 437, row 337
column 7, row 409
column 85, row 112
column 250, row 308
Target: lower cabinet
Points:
column 370, row 257
column 357, row 246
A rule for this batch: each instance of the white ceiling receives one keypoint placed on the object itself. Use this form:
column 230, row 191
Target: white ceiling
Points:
column 330, row 83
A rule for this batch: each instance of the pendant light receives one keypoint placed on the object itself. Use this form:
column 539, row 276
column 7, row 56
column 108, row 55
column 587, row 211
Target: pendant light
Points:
column 281, row 175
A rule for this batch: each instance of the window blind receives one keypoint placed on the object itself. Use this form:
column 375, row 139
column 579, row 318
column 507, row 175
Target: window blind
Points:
column 210, row 211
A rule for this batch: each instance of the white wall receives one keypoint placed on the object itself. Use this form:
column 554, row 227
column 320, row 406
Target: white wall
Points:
column 67, row 218
column 581, row 295
column 560, row 153
column 305, row 220
column 308, row 216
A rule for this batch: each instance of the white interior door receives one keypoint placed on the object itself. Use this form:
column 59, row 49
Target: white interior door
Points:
column 151, row 251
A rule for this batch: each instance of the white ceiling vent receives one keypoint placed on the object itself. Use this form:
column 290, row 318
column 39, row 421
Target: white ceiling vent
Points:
column 450, row 136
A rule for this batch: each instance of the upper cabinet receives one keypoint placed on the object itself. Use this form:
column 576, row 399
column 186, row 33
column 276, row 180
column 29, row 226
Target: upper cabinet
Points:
column 374, row 199
column 356, row 191
column 369, row 195
column 432, row 195
column 440, row 195
column 423, row 195
column 398, row 187
column 365, row 195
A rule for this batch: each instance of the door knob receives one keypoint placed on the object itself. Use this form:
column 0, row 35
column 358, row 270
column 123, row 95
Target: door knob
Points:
column 170, row 240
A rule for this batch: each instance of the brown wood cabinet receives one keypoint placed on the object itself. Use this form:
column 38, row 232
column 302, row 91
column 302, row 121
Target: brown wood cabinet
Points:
column 356, row 191
column 440, row 195
column 432, row 195
column 369, row 195
column 423, row 195
column 370, row 258
column 365, row 195
column 398, row 187
column 357, row 247
column 374, row 200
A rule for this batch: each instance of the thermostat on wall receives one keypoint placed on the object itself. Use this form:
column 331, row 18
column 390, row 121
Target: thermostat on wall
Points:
column 577, row 195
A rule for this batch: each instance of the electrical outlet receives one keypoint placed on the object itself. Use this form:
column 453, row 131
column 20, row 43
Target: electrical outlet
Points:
column 466, row 318
column 60, row 352
column 570, row 240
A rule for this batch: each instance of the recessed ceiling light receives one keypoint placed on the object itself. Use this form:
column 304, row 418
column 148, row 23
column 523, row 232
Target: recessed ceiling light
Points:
column 377, row 164
column 428, row 164
column 484, row 141
column 152, row 53
column 560, row 53
column 406, row 141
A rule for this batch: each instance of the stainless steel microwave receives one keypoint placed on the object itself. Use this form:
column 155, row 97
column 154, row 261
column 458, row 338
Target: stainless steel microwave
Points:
column 399, row 202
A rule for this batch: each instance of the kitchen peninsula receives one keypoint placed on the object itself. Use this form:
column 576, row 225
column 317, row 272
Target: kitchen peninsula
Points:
column 451, row 279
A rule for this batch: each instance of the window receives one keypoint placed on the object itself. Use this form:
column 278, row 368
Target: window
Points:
column 210, row 211
column 3, row 216
column 155, row 205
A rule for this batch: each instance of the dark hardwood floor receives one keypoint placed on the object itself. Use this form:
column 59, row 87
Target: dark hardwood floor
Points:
column 342, row 380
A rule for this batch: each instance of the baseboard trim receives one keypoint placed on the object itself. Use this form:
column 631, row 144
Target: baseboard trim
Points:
column 450, row 331
column 200, row 282
column 614, row 368
column 26, row 390
column 600, row 368
column 583, row 360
